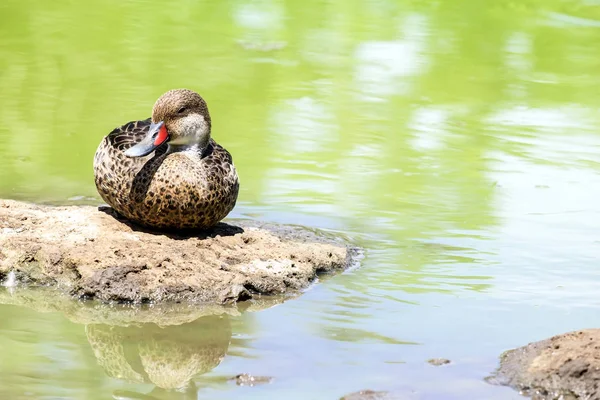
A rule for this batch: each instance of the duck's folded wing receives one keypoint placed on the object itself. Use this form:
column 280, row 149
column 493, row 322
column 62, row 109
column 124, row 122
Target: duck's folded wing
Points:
column 129, row 134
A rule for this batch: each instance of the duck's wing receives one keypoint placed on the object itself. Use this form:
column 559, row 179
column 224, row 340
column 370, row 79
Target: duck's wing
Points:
column 129, row 134
column 115, row 174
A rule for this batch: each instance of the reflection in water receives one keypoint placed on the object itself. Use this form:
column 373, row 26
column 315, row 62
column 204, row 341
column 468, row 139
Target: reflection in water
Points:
column 381, row 66
column 167, row 357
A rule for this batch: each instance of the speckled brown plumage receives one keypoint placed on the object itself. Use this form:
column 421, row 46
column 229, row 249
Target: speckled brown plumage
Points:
column 192, row 188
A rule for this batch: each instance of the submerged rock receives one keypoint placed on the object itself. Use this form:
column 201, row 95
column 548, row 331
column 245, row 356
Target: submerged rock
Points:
column 366, row 395
column 565, row 366
column 90, row 253
column 436, row 362
column 251, row 380
column 377, row 395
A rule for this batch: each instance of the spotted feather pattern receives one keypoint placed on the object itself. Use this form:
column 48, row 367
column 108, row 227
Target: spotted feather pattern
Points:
column 178, row 190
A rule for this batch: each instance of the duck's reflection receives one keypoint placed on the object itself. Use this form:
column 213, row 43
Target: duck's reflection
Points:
column 168, row 357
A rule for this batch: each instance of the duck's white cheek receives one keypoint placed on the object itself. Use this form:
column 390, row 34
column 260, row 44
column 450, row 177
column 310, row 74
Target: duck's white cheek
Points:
column 199, row 128
column 193, row 129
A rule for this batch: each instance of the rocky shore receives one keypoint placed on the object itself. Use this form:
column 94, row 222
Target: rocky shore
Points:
column 90, row 252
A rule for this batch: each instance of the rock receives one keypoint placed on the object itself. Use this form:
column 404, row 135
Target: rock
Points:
column 366, row 395
column 376, row 395
column 251, row 380
column 566, row 366
column 438, row 361
column 91, row 253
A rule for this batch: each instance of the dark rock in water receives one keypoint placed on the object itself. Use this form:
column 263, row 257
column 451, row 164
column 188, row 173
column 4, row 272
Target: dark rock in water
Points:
column 93, row 254
column 438, row 361
column 251, row 380
column 564, row 367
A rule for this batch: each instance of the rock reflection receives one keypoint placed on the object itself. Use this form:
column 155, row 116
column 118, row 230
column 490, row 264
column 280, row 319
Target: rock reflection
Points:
column 151, row 351
column 167, row 357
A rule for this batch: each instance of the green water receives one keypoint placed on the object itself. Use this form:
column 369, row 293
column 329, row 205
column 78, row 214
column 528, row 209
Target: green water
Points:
column 456, row 141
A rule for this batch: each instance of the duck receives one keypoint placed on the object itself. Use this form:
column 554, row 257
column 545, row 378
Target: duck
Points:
column 166, row 172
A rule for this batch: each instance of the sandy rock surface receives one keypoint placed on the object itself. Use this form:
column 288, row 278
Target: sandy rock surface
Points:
column 564, row 367
column 92, row 253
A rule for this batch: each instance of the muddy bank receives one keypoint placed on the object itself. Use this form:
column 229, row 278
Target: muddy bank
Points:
column 91, row 253
column 565, row 366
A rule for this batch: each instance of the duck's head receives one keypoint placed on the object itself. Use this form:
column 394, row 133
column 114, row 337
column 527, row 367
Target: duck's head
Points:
column 180, row 117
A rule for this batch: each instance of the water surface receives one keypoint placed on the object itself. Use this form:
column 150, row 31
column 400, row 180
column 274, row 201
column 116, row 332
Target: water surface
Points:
column 456, row 141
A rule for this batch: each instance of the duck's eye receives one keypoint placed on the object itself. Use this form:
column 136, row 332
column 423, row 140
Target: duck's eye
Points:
column 181, row 110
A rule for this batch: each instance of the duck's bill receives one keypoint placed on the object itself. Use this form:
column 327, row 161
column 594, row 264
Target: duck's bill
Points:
column 157, row 135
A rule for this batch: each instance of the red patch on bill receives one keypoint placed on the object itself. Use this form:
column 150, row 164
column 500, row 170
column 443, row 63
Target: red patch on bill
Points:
column 162, row 136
